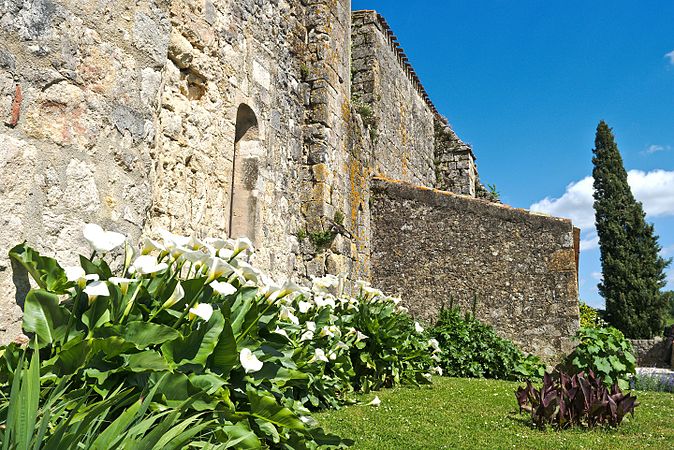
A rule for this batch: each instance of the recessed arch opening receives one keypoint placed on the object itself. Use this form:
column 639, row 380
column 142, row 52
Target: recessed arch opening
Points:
column 245, row 172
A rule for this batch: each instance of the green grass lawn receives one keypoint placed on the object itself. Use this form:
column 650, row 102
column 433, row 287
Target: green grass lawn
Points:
column 482, row 414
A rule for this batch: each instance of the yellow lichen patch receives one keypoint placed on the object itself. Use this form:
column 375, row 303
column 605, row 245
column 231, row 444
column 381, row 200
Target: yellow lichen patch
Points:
column 346, row 111
column 563, row 261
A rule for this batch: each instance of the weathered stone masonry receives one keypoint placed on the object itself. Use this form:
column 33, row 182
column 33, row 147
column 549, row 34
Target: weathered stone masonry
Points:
column 513, row 269
column 264, row 118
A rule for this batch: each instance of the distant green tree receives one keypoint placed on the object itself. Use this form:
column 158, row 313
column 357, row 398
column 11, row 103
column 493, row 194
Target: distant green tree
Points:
column 669, row 299
column 633, row 271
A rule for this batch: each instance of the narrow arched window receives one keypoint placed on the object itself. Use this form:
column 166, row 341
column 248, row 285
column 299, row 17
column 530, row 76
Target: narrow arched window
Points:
column 247, row 153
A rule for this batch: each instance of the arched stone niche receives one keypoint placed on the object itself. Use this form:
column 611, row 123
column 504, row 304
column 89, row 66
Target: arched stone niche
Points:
column 246, row 162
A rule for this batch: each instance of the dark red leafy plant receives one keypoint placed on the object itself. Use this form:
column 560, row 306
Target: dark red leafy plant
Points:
column 580, row 400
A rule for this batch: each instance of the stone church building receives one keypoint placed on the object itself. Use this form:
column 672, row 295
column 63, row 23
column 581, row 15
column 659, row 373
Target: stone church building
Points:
column 298, row 123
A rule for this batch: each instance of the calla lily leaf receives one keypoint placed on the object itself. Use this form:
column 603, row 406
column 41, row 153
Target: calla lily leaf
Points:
column 46, row 272
column 265, row 407
column 43, row 316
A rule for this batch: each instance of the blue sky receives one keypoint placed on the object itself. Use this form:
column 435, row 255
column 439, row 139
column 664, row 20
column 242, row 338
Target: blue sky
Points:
column 526, row 82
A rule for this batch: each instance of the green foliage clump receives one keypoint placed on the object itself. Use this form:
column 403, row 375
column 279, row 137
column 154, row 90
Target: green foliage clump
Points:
column 589, row 316
column 190, row 337
column 321, row 239
column 473, row 349
column 633, row 271
column 606, row 352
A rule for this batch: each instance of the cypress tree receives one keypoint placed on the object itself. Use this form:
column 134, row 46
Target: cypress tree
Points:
column 633, row 271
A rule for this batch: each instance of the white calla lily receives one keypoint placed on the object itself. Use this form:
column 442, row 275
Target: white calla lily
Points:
column 307, row 336
column 217, row 268
column 202, row 310
column 375, row 402
column 223, row 288
column 177, row 295
column 77, row 275
column 148, row 246
column 282, row 332
column 147, row 265
column 319, row 355
column 360, row 336
column 249, row 361
column 434, row 344
column 242, row 244
column 286, row 313
column 304, row 307
column 102, row 241
column 97, row 289
column 418, row 328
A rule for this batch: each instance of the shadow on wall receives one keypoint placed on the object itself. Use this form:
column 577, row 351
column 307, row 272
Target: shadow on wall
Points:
column 21, row 282
column 247, row 153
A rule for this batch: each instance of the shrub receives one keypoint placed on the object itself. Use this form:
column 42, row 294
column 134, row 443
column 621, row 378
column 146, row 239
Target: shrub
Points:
column 589, row 316
column 473, row 349
column 579, row 400
column 207, row 340
column 606, row 352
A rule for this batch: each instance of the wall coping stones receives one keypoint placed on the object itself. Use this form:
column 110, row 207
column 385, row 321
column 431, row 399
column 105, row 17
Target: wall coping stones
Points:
column 430, row 196
column 402, row 59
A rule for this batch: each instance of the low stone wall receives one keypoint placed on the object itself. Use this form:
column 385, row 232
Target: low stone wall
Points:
column 655, row 352
column 516, row 270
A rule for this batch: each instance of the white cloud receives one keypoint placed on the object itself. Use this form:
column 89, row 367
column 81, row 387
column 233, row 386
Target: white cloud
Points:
column 655, row 148
column 654, row 189
column 597, row 276
column 667, row 251
column 670, row 56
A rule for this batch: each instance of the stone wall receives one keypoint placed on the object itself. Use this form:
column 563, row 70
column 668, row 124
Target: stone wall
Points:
column 234, row 62
column 79, row 87
column 516, row 270
column 411, row 141
column 656, row 352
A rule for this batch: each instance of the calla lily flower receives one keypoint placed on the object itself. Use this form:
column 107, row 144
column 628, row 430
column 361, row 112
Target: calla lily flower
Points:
column 177, row 295
column 418, row 328
column 311, row 326
column 123, row 283
column 146, row 265
column 195, row 257
column 249, row 361
column 281, row 331
column 324, row 284
column 100, row 240
column 319, row 355
column 286, row 313
column 375, row 402
column 304, row 307
column 78, row 275
column 360, row 336
column 97, row 289
column 322, row 302
column 216, row 243
column 437, row 370
column 173, row 240
column 149, row 245
column 217, row 268
column 222, row 288
column 341, row 345
column 203, row 310
column 307, row 336
column 242, row 244
column 434, row 344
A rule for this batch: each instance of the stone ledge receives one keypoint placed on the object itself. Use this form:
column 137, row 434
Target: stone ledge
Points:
column 445, row 199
